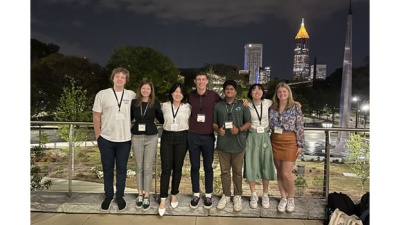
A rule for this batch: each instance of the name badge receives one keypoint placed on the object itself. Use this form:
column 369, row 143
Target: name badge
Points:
column 260, row 130
column 278, row 130
column 142, row 127
column 228, row 125
column 174, row 127
column 119, row 116
column 201, row 118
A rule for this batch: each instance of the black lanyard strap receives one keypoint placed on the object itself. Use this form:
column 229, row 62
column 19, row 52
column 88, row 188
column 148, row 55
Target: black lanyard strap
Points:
column 258, row 115
column 120, row 102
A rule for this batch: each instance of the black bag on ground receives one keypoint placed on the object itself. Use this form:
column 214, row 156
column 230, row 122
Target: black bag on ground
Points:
column 340, row 201
column 362, row 209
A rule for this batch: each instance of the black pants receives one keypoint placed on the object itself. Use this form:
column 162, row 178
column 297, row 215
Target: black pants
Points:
column 173, row 150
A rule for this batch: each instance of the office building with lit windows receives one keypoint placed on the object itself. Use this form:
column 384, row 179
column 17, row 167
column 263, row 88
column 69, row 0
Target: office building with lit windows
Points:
column 320, row 72
column 264, row 75
column 253, row 61
column 301, row 67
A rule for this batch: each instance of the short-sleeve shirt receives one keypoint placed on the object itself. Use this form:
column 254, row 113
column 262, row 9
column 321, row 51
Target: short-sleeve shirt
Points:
column 259, row 115
column 202, row 104
column 239, row 116
column 181, row 116
column 106, row 103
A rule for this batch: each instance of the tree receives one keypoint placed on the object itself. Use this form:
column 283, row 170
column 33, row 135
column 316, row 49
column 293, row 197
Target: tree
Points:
column 359, row 154
column 54, row 72
column 145, row 62
column 40, row 50
column 74, row 105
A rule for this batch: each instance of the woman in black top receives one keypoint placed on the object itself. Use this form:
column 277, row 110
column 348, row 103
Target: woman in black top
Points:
column 144, row 110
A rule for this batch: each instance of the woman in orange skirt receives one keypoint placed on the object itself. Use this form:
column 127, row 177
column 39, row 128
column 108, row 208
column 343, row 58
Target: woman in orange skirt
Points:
column 287, row 138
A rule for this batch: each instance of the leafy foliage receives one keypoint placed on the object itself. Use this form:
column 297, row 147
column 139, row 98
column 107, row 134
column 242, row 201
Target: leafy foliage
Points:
column 36, row 171
column 74, row 106
column 145, row 62
column 52, row 73
column 359, row 155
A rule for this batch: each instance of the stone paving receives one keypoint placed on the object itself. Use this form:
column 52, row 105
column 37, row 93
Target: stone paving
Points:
column 79, row 202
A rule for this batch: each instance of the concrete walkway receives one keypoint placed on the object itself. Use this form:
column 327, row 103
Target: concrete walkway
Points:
column 58, row 206
column 39, row 218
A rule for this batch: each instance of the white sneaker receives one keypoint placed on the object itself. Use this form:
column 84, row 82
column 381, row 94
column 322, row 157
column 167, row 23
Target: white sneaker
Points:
column 253, row 200
column 282, row 205
column 237, row 203
column 265, row 201
column 290, row 205
column 223, row 201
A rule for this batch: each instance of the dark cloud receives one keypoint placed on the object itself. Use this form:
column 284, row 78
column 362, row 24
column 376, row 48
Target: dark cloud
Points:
column 193, row 33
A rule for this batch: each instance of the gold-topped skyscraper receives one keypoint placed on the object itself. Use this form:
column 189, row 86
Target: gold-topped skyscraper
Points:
column 301, row 67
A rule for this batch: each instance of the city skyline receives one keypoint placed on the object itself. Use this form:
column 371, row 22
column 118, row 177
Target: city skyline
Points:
column 193, row 33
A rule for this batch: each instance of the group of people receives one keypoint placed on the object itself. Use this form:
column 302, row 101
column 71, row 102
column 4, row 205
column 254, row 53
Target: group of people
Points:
column 190, row 122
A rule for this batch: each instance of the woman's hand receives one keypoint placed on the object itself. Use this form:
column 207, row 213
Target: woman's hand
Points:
column 299, row 150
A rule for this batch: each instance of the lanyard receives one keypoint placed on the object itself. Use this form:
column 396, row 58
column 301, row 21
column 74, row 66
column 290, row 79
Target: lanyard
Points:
column 258, row 115
column 229, row 113
column 174, row 114
column 120, row 102
column 142, row 114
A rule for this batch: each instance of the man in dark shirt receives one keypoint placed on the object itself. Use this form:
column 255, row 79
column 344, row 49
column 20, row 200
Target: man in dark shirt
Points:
column 201, row 138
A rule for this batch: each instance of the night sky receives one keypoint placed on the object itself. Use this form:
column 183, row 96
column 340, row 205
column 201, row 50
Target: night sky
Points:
column 194, row 33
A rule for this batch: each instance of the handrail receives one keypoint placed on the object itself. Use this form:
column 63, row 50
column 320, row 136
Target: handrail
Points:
column 327, row 132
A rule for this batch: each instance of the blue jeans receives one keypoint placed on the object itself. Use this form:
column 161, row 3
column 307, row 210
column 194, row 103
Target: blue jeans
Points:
column 201, row 144
column 118, row 153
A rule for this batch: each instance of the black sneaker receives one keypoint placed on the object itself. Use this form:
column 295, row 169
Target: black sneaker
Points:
column 146, row 203
column 121, row 203
column 139, row 201
column 207, row 203
column 105, row 206
column 194, row 202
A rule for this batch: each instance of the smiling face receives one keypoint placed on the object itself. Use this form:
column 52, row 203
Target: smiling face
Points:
column 201, row 82
column 282, row 93
column 257, row 93
column 177, row 95
column 230, row 92
column 119, row 80
column 145, row 90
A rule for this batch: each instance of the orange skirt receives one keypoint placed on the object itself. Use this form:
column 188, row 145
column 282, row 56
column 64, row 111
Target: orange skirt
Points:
column 284, row 146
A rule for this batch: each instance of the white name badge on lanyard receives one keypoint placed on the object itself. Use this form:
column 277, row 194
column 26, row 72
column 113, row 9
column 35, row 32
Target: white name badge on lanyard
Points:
column 119, row 116
column 142, row 127
column 260, row 130
column 228, row 125
column 201, row 118
column 174, row 126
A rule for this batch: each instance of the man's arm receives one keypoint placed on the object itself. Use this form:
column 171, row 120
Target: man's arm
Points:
column 245, row 126
column 96, row 123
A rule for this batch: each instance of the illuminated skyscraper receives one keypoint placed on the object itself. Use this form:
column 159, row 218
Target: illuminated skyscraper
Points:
column 301, row 67
column 253, row 61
